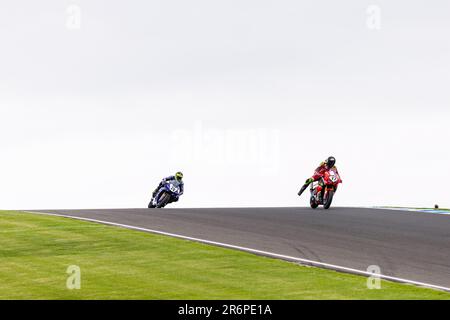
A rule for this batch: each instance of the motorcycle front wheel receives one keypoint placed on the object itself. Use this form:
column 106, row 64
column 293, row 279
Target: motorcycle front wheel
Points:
column 329, row 199
column 164, row 200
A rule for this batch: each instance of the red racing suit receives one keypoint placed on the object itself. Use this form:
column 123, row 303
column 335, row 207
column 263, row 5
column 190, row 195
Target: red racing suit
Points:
column 318, row 174
column 321, row 169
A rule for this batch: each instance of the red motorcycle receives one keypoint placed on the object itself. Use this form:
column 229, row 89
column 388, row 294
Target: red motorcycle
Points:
column 322, row 191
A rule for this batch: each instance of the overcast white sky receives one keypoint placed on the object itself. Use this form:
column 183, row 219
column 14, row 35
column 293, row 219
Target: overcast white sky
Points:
column 101, row 99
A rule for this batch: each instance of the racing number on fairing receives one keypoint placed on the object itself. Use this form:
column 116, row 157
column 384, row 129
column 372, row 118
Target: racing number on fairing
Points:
column 333, row 177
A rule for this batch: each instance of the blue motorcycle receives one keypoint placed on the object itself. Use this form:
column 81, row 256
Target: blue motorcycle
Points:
column 169, row 192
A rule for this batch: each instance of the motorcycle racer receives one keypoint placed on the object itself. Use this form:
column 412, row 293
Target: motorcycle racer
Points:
column 178, row 177
column 324, row 166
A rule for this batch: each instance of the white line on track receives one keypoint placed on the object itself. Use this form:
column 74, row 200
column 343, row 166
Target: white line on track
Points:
column 255, row 251
column 435, row 211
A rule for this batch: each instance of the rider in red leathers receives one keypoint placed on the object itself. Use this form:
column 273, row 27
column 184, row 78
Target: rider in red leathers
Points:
column 319, row 173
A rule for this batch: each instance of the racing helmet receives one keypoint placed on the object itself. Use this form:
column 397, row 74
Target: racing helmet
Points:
column 179, row 176
column 330, row 162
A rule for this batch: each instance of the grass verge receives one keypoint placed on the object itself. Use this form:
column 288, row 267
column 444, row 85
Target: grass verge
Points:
column 117, row 263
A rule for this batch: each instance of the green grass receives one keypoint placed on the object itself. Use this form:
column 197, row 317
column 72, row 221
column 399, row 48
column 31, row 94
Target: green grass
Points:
column 118, row 263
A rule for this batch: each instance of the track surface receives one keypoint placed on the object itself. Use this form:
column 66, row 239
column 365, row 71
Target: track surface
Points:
column 409, row 245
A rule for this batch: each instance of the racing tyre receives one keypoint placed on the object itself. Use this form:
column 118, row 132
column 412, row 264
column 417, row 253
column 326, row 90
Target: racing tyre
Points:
column 150, row 205
column 329, row 199
column 164, row 200
column 313, row 203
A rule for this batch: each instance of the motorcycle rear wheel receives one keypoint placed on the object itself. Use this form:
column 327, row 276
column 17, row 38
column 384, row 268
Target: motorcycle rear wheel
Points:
column 313, row 203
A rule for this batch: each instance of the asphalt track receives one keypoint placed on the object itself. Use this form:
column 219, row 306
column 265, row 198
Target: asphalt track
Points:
column 408, row 245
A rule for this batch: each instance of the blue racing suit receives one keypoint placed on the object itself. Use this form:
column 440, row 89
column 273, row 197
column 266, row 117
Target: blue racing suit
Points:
column 163, row 181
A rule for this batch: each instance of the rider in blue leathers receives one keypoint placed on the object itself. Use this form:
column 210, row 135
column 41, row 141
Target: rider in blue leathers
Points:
column 179, row 177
